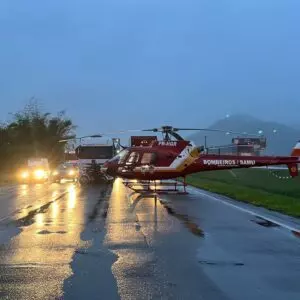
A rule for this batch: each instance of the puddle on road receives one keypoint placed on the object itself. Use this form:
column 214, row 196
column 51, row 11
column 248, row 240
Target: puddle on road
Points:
column 101, row 207
column 185, row 219
column 221, row 263
column 30, row 218
column 50, row 248
column 296, row 233
column 44, row 232
column 49, row 232
column 61, row 232
column 263, row 222
column 191, row 226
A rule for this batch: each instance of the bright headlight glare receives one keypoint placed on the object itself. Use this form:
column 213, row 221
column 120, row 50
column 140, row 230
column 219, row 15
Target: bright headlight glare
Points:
column 55, row 173
column 39, row 173
column 24, row 174
column 71, row 172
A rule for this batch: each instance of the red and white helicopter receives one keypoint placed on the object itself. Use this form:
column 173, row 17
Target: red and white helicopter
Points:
column 173, row 157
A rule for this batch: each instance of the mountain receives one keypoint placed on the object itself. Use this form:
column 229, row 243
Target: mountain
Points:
column 296, row 126
column 279, row 143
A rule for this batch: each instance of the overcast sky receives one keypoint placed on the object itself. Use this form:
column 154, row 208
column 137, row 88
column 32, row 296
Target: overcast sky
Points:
column 120, row 64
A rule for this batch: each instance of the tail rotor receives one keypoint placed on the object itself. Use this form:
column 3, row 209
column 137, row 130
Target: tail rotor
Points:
column 293, row 168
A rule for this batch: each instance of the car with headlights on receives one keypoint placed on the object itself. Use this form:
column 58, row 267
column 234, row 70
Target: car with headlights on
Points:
column 35, row 170
column 64, row 172
column 33, row 175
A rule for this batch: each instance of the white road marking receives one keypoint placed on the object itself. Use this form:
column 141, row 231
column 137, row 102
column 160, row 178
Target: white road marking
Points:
column 3, row 219
column 249, row 211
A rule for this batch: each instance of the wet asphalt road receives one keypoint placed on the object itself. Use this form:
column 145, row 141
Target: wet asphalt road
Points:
column 102, row 242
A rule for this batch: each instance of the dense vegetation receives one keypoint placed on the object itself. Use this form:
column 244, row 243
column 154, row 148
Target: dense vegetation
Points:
column 33, row 133
column 256, row 186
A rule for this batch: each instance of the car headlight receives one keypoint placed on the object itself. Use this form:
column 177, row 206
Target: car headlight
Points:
column 55, row 173
column 39, row 174
column 71, row 172
column 25, row 174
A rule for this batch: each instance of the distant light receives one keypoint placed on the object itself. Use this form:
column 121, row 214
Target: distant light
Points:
column 227, row 116
column 260, row 132
column 274, row 130
column 227, row 133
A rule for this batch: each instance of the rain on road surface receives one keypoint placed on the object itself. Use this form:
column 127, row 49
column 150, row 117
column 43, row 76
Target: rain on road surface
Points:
column 103, row 242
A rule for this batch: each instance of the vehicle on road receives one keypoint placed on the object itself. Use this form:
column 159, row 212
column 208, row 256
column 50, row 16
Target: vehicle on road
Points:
column 36, row 171
column 90, row 159
column 65, row 171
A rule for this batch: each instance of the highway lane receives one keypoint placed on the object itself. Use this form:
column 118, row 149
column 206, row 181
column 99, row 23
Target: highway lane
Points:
column 37, row 259
column 14, row 198
column 34, row 259
column 190, row 247
column 102, row 242
column 245, row 257
column 18, row 200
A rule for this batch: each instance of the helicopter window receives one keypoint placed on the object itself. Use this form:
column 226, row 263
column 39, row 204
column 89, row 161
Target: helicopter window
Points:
column 133, row 158
column 148, row 158
column 122, row 156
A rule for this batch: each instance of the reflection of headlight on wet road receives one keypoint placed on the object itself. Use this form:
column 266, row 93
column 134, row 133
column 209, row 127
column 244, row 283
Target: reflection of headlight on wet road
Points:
column 39, row 174
column 55, row 208
column 39, row 218
column 54, row 195
column 72, row 197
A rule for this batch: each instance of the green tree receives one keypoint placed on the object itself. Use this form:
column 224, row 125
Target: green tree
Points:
column 4, row 144
column 33, row 133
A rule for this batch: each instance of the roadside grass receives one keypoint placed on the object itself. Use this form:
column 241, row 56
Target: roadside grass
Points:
column 256, row 186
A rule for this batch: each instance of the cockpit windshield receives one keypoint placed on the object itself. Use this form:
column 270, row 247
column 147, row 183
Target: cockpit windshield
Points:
column 120, row 157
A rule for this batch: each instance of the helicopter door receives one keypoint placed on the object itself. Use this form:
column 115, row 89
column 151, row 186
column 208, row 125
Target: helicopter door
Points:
column 149, row 159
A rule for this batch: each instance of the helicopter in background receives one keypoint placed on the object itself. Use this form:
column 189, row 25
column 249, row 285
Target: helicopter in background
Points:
column 174, row 157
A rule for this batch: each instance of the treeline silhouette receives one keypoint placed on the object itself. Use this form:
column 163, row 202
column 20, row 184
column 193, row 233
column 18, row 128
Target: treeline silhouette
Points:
column 33, row 133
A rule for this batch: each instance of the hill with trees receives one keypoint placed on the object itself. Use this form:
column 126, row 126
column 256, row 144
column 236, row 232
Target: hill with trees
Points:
column 280, row 138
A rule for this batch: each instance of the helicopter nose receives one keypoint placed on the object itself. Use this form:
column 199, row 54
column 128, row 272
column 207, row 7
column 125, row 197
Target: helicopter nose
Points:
column 103, row 168
column 108, row 168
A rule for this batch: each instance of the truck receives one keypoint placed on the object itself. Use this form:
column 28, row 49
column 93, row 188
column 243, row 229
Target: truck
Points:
column 99, row 153
column 90, row 158
column 70, row 157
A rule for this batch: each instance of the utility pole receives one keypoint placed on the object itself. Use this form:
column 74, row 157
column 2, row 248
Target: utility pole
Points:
column 205, row 143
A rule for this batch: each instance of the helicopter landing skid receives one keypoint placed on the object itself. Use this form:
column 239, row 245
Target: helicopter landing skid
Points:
column 158, row 186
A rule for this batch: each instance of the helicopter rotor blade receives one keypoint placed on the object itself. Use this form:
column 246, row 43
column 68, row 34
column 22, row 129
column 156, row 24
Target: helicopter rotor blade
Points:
column 196, row 129
column 152, row 130
column 169, row 129
column 217, row 130
column 123, row 131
